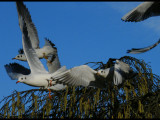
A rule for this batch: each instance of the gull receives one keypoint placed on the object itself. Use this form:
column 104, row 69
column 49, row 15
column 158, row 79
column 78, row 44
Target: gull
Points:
column 142, row 12
column 85, row 76
column 15, row 70
column 38, row 74
column 43, row 52
column 142, row 50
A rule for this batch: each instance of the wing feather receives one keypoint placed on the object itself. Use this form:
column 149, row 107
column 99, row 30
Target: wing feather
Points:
column 117, row 78
column 121, row 70
column 14, row 70
column 81, row 75
column 142, row 12
column 142, row 50
column 32, row 31
column 34, row 63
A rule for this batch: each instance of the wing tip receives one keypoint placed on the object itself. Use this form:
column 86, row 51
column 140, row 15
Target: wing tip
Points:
column 159, row 41
column 128, row 51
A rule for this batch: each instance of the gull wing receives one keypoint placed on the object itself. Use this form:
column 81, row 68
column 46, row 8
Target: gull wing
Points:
column 142, row 12
column 20, row 51
column 34, row 63
column 32, row 32
column 81, row 75
column 60, row 70
column 49, row 43
column 121, row 70
column 117, row 77
column 122, row 66
column 142, row 50
column 54, row 63
column 14, row 70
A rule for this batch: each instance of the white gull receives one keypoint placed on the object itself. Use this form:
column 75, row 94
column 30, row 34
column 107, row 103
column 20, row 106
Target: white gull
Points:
column 37, row 76
column 85, row 76
column 43, row 52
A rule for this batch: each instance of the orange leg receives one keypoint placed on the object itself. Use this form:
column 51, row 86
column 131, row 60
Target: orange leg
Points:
column 45, row 56
column 50, row 83
column 50, row 94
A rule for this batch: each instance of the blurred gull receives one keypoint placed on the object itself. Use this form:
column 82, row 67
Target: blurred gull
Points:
column 142, row 12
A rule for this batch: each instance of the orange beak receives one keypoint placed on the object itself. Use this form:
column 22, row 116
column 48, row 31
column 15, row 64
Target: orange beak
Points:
column 13, row 58
column 17, row 82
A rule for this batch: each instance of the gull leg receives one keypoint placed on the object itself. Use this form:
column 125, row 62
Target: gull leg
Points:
column 50, row 97
column 44, row 56
column 50, row 83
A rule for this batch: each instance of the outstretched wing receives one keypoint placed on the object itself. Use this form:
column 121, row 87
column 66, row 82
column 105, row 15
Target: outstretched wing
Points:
column 14, row 70
column 81, row 75
column 34, row 63
column 23, row 13
column 142, row 12
column 142, row 50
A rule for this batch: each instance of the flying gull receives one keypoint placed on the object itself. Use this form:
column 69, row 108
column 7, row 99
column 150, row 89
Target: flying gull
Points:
column 85, row 76
column 47, row 49
column 37, row 75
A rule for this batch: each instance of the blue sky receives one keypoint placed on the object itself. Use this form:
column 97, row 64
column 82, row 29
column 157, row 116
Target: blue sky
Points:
column 82, row 32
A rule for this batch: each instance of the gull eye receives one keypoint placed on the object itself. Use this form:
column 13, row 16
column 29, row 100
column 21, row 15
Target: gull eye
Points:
column 18, row 56
column 21, row 78
column 101, row 71
column 25, row 78
column 21, row 55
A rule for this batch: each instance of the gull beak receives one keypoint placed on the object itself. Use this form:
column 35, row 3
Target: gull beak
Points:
column 17, row 82
column 13, row 58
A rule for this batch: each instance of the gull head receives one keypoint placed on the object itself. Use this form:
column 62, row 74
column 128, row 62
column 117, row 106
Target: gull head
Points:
column 21, row 57
column 21, row 79
column 102, row 73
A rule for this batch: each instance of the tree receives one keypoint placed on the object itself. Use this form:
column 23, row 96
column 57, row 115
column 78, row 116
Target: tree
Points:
column 135, row 98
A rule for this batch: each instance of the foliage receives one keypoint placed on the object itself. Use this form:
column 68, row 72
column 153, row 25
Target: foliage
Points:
column 135, row 98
